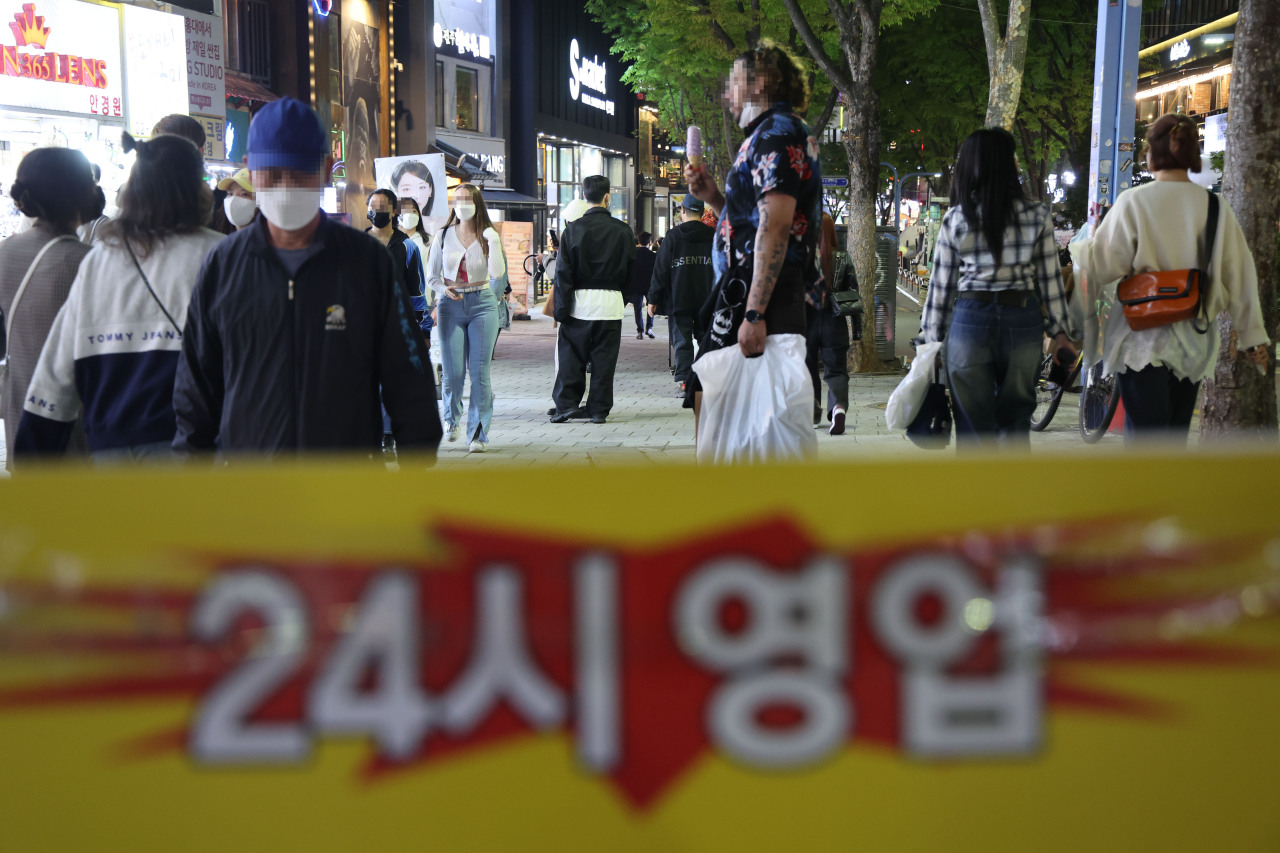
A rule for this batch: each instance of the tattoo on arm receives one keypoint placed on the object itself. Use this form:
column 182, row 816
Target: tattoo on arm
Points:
column 770, row 252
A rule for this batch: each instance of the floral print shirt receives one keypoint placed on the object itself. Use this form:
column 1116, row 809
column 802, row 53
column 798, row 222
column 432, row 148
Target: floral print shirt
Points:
column 780, row 154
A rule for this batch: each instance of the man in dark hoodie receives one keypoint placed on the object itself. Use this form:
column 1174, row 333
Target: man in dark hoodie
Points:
column 682, row 280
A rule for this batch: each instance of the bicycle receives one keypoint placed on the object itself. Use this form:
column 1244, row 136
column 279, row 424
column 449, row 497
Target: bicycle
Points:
column 1099, row 397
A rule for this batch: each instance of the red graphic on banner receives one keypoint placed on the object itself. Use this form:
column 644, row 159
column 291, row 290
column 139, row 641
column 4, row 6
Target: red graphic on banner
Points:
column 29, row 31
column 753, row 643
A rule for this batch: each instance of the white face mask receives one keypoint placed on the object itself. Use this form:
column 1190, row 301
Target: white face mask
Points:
column 750, row 113
column 408, row 221
column 465, row 211
column 239, row 210
column 290, row 208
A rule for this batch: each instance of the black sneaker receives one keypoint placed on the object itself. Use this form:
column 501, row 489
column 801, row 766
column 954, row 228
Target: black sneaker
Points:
column 599, row 419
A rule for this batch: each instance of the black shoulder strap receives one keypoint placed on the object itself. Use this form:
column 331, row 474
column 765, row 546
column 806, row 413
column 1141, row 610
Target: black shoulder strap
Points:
column 1211, row 236
column 150, row 290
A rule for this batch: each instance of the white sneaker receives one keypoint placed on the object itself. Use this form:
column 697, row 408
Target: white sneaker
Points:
column 454, row 432
column 477, row 446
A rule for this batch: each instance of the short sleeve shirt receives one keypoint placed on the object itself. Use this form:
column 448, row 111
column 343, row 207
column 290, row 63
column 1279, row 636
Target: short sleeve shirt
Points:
column 780, row 154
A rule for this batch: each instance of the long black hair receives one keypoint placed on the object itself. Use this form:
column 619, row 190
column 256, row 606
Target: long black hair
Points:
column 419, row 230
column 165, row 194
column 986, row 184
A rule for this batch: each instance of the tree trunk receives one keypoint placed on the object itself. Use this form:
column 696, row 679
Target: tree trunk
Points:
column 1006, row 57
column 861, row 136
column 1237, row 398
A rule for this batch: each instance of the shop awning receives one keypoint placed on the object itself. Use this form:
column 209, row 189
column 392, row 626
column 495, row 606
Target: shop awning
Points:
column 239, row 86
column 503, row 199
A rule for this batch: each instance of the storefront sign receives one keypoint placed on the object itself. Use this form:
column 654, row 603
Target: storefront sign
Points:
column 156, row 44
column 61, row 56
column 206, row 83
column 490, row 151
column 464, row 28
column 376, row 658
column 1180, row 51
column 590, row 74
column 215, row 137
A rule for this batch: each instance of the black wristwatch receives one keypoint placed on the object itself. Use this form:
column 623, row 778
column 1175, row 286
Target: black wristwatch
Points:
column 753, row 316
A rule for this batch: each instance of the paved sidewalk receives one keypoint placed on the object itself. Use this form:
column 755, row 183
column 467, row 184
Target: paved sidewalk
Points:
column 648, row 425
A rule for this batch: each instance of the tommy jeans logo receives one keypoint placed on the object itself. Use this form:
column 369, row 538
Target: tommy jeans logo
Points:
column 335, row 319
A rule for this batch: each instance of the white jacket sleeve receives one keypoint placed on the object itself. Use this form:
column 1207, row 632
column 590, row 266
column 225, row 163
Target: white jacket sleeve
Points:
column 497, row 262
column 1234, row 283
column 435, row 265
column 52, row 393
column 1110, row 252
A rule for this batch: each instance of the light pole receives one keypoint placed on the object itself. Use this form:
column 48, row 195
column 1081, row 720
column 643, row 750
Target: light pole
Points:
column 897, row 190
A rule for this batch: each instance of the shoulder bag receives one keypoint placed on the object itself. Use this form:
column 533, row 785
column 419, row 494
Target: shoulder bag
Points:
column 8, row 321
column 150, row 290
column 1154, row 299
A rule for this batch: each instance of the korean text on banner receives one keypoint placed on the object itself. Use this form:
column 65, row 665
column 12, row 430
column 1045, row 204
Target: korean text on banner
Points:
column 63, row 56
column 335, row 658
column 517, row 242
column 206, row 74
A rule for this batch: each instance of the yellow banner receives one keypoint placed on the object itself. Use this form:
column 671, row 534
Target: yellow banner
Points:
column 964, row 654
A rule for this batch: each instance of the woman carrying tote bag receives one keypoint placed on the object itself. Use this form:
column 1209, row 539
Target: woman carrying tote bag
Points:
column 1162, row 227
column 996, row 257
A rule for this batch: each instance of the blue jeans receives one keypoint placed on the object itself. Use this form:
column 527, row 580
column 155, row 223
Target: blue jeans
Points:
column 468, row 330
column 993, row 352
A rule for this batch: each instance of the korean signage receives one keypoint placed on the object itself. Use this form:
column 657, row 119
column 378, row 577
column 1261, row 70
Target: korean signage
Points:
column 517, row 244
column 465, row 29
column 61, row 56
column 357, row 652
column 156, row 45
column 588, row 74
column 206, row 83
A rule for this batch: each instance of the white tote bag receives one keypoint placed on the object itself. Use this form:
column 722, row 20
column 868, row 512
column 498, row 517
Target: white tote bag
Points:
column 908, row 397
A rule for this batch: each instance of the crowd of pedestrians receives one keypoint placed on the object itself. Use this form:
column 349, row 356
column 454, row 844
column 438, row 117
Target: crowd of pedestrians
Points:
column 201, row 323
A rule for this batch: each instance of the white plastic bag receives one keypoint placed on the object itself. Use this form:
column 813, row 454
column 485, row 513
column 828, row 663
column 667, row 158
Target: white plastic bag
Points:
column 908, row 397
column 756, row 409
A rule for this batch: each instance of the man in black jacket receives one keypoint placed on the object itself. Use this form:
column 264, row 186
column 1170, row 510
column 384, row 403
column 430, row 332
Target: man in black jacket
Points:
column 639, row 285
column 596, row 263
column 296, row 321
column 682, row 280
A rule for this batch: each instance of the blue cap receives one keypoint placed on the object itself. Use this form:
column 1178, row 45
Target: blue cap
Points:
column 287, row 134
column 692, row 203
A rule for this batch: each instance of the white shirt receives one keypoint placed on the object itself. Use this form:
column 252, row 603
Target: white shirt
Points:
column 1160, row 227
column 447, row 253
column 597, row 305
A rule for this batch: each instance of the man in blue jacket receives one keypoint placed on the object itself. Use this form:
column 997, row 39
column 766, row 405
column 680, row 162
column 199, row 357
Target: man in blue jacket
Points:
column 297, row 321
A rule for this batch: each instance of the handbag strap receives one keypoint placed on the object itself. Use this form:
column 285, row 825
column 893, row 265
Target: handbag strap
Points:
column 26, row 279
column 1211, row 237
column 151, row 290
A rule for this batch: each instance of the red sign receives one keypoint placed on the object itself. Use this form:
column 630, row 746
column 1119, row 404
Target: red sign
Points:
column 29, row 31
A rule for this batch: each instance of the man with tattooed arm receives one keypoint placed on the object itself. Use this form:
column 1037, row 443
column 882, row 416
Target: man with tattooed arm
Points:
column 770, row 212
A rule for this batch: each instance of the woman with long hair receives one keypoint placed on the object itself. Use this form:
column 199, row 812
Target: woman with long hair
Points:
column 55, row 187
column 996, row 258
column 113, row 350
column 464, row 268
column 412, row 179
column 409, row 224
column 1158, row 227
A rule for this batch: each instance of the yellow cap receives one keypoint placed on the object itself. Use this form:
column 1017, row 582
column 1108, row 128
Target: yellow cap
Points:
column 241, row 177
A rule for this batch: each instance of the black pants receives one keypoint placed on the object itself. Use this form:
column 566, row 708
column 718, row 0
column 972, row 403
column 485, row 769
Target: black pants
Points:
column 682, row 339
column 827, row 340
column 641, row 317
column 580, row 342
column 1157, row 404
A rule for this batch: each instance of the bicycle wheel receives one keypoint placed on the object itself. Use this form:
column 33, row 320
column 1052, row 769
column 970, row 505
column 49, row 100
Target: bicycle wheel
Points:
column 1048, row 396
column 1098, row 401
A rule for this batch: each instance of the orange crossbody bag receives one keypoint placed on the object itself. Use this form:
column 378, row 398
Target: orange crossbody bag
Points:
column 1153, row 299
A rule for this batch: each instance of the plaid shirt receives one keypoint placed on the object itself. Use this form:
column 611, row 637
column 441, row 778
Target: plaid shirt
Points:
column 963, row 262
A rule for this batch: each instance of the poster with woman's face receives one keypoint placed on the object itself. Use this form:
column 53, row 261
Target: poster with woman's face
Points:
column 420, row 177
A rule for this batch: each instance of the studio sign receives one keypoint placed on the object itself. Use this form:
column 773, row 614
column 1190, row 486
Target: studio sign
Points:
column 588, row 73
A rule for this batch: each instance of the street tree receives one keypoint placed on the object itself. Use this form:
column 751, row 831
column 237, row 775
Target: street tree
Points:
column 842, row 38
column 1006, row 55
column 1236, row 397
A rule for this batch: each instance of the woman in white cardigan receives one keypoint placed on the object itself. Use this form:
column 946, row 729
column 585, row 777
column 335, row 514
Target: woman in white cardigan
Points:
column 1157, row 227
column 464, row 267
